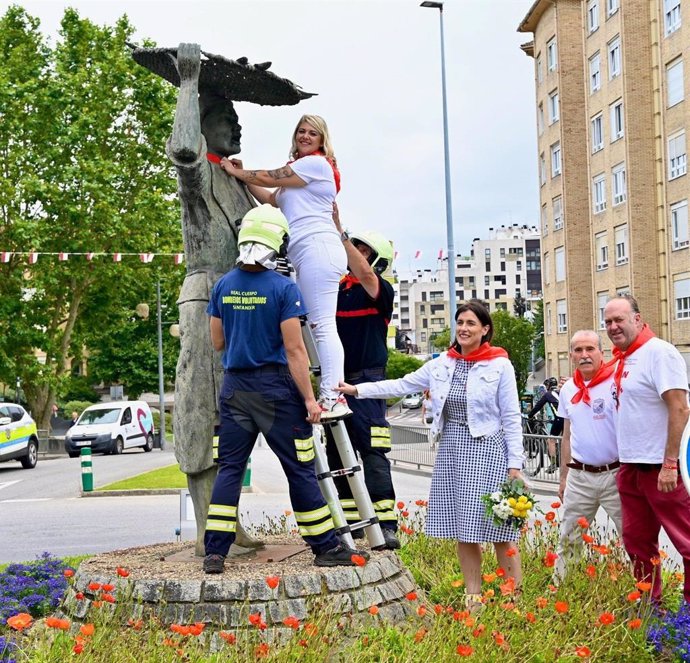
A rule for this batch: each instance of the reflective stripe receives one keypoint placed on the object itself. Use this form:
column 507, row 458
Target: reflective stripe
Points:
column 311, row 516
column 305, row 449
column 350, row 510
column 348, row 504
column 222, row 510
column 215, row 447
column 315, row 530
column 380, row 437
column 384, row 510
column 221, row 525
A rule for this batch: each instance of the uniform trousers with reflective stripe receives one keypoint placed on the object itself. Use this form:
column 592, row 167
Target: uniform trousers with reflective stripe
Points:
column 370, row 436
column 266, row 402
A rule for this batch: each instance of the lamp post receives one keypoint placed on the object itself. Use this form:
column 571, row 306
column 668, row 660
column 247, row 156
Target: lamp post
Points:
column 446, row 153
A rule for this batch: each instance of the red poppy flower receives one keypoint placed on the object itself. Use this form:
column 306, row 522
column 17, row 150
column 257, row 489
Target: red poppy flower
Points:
column 499, row 638
column 555, row 505
column 68, row 573
column 197, row 628
column 470, row 622
column 655, row 561
column 311, row 629
column 374, row 610
column 478, row 631
column 97, row 604
column 272, row 581
column 123, row 573
column 404, row 514
column 464, row 650
column 438, row 609
column 607, row 618
column 87, row 629
column 262, row 650
column 561, row 606
column 20, row 621
column 529, row 616
column 541, row 602
column 500, row 572
column 587, row 538
column 303, row 643
column 136, row 624
column 79, row 596
column 358, row 560
column 109, row 598
column 643, row 586
column 421, row 610
column 550, row 515
column 508, row 587
column 583, row 651
column 420, row 634
column 634, row 596
column 400, row 505
column 291, row 622
column 230, row 638
column 488, row 577
column 508, row 606
column 107, row 588
column 421, row 502
column 180, row 628
column 457, row 583
column 94, row 586
column 511, row 552
column 634, row 624
column 411, row 596
column 591, row 571
column 55, row 622
column 255, row 618
column 78, row 648
column 550, row 558
column 602, row 550
column 583, row 522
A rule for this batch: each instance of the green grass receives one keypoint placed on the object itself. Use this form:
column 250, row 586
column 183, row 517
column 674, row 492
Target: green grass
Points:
column 164, row 477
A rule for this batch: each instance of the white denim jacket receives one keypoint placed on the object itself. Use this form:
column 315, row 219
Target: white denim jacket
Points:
column 492, row 398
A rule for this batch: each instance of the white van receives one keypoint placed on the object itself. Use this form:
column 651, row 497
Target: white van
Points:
column 111, row 428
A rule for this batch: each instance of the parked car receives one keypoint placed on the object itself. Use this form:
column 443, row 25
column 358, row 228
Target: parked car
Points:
column 413, row 401
column 110, row 428
column 18, row 437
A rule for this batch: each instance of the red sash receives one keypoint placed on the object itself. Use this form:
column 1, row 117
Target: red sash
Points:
column 484, row 351
column 336, row 172
column 213, row 158
column 645, row 335
column 348, row 281
column 582, row 394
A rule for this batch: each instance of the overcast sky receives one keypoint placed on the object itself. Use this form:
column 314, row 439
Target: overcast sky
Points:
column 376, row 67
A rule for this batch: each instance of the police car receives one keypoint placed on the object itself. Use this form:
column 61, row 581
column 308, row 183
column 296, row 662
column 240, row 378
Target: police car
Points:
column 18, row 438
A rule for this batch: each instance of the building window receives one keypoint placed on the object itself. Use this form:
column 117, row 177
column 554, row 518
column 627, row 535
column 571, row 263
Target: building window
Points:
column 555, row 159
column 486, row 280
column 679, row 224
column 542, row 169
column 544, row 221
column 553, row 107
column 602, row 251
column 616, row 111
column 619, row 189
column 548, row 320
column 518, row 265
column 551, row 54
column 612, row 7
column 559, row 255
column 540, row 69
column 623, row 290
column 677, row 156
column 593, row 15
column 547, row 268
column 594, row 73
column 675, row 89
column 599, row 193
column 671, row 15
column 557, row 213
column 597, row 133
column 602, row 299
column 540, row 119
column 562, row 316
column 681, row 293
column 614, row 50
column 621, row 241
column 503, row 252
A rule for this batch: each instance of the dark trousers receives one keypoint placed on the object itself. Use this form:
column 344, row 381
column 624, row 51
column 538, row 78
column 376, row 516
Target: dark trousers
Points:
column 266, row 401
column 370, row 436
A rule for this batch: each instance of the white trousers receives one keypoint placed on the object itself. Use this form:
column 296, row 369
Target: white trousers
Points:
column 320, row 261
column 584, row 493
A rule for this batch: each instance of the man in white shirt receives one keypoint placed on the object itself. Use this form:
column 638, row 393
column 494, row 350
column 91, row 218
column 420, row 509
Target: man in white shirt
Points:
column 589, row 455
column 651, row 384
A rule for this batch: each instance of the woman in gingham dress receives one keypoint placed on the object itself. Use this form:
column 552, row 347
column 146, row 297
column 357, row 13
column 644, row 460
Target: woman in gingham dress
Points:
column 477, row 417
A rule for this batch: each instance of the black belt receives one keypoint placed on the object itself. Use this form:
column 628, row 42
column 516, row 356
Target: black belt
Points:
column 268, row 369
column 369, row 372
column 595, row 469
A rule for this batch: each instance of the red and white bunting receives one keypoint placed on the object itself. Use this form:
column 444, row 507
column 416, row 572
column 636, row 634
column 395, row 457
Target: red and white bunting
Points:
column 418, row 254
column 33, row 258
column 440, row 254
column 5, row 256
column 179, row 258
column 63, row 256
column 117, row 257
column 146, row 257
column 89, row 256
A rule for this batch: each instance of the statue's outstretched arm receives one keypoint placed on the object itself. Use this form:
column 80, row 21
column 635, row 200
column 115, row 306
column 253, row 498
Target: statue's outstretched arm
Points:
column 185, row 142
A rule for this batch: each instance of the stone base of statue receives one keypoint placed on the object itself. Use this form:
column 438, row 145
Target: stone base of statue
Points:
column 166, row 581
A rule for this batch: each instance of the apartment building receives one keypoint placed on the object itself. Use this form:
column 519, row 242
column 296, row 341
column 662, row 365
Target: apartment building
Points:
column 498, row 269
column 611, row 120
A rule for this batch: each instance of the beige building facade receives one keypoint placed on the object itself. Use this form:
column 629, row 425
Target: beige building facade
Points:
column 612, row 117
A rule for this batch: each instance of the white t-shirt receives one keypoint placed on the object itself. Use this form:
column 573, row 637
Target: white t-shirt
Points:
column 642, row 426
column 309, row 209
column 593, row 426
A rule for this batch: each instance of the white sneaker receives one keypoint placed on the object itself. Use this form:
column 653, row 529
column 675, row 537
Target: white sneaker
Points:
column 334, row 408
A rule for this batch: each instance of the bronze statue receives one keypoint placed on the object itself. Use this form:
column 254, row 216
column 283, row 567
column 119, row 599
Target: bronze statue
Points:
column 206, row 129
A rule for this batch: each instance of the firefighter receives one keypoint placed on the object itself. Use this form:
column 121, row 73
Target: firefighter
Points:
column 255, row 320
column 365, row 307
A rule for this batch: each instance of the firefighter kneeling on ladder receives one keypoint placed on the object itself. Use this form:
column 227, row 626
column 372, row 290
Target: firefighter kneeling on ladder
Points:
column 365, row 307
column 255, row 319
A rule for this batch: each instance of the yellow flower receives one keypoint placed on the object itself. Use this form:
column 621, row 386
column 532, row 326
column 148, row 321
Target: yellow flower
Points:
column 522, row 498
column 511, row 501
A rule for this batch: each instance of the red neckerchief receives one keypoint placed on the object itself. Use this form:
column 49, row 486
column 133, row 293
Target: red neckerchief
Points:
column 213, row 158
column 484, row 351
column 582, row 394
column 646, row 334
column 348, row 281
column 336, row 172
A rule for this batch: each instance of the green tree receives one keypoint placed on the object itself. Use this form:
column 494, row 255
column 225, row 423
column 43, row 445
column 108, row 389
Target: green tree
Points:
column 515, row 335
column 538, row 322
column 400, row 364
column 441, row 340
column 82, row 144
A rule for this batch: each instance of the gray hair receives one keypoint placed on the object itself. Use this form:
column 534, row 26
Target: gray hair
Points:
column 589, row 332
column 634, row 306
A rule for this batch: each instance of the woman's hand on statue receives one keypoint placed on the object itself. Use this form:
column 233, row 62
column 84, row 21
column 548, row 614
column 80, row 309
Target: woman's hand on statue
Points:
column 229, row 166
column 336, row 217
column 345, row 388
column 313, row 411
column 188, row 61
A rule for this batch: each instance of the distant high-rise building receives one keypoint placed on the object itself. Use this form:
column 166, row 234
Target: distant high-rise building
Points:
column 612, row 162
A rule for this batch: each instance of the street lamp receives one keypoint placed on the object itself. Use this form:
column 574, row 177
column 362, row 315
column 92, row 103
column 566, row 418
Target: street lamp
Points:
column 446, row 153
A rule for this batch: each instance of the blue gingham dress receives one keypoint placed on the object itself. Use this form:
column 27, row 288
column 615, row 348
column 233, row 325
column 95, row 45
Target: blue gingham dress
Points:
column 466, row 468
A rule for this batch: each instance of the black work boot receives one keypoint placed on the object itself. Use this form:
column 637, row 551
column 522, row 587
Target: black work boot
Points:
column 341, row 555
column 214, row 563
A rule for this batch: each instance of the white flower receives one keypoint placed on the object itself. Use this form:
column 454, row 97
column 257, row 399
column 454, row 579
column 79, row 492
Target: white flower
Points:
column 496, row 497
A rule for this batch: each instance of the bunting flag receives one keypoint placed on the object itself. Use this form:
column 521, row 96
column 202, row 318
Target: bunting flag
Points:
column 395, row 256
column 5, row 256
column 117, row 257
column 417, row 255
column 146, row 257
column 179, row 258
column 89, row 256
column 33, row 258
column 63, row 256
column 440, row 254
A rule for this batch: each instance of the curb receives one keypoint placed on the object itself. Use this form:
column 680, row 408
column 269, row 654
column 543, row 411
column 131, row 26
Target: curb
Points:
column 135, row 492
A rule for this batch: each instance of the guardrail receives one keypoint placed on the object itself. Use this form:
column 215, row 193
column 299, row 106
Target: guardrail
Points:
column 410, row 449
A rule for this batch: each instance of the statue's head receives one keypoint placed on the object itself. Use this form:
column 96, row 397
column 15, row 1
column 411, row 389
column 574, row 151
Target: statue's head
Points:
column 219, row 124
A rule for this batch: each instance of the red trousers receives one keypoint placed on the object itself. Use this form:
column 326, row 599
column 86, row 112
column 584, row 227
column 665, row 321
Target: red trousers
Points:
column 645, row 511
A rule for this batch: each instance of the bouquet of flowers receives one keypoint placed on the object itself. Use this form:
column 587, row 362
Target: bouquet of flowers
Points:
column 510, row 505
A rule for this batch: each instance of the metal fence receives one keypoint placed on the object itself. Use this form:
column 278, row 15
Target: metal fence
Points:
column 410, row 449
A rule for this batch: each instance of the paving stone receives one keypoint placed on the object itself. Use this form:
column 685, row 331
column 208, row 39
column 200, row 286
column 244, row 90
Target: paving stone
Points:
column 302, row 585
column 150, row 591
column 224, row 590
column 390, row 565
column 390, row 591
column 394, row 612
column 258, row 590
column 340, row 602
column 338, row 580
column 182, row 591
column 279, row 610
column 370, row 573
column 366, row 597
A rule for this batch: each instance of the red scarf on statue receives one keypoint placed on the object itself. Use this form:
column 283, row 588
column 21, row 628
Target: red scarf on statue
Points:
column 336, row 172
column 483, row 352
column 582, row 394
column 646, row 334
column 213, row 158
